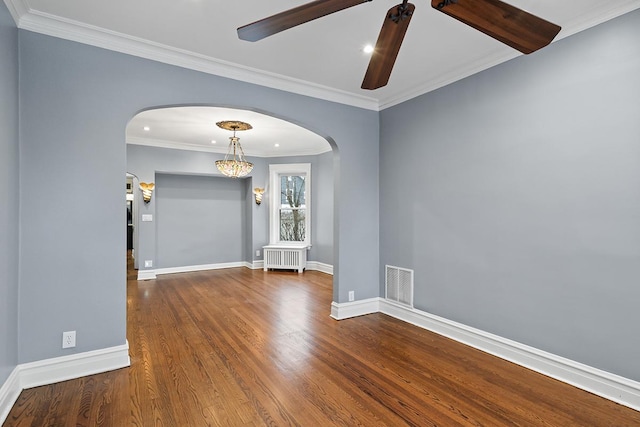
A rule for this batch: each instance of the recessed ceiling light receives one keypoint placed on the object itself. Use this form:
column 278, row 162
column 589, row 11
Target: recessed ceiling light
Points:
column 146, row 128
column 276, row 145
column 213, row 141
column 368, row 48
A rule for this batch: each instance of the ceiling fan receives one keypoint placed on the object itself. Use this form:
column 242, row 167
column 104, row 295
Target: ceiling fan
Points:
column 508, row 24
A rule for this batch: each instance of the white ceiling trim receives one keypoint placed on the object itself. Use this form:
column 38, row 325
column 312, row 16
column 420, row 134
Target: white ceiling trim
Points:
column 580, row 23
column 448, row 78
column 221, row 148
column 149, row 142
column 17, row 9
column 67, row 29
column 595, row 17
column 32, row 20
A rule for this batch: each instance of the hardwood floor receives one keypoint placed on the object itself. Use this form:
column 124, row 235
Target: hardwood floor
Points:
column 238, row 347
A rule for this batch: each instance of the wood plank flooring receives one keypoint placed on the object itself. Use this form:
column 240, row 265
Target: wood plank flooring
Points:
column 238, row 347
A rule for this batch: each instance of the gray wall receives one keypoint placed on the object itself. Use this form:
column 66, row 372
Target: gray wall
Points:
column 322, row 219
column 200, row 220
column 144, row 161
column 8, row 194
column 147, row 162
column 322, row 196
column 518, row 204
column 76, row 101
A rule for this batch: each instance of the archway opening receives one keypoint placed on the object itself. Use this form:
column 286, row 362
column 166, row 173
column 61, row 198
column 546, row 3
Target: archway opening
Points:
column 177, row 146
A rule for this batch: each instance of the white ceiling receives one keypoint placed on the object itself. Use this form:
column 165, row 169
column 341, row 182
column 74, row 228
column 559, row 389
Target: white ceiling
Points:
column 194, row 128
column 322, row 58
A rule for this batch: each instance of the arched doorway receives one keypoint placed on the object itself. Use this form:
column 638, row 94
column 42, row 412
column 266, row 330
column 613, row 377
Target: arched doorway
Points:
column 174, row 145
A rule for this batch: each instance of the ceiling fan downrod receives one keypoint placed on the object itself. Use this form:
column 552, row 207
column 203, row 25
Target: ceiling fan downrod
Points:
column 446, row 3
column 403, row 12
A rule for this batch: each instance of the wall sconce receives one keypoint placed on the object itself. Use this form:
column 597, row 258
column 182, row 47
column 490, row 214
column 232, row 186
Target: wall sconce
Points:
column 258, row 192
column 147, row 190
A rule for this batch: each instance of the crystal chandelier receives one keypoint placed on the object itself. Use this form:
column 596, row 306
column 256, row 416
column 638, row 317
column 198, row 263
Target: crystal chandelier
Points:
column 234, row 164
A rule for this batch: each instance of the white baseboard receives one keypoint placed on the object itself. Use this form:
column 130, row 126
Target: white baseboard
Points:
column 255, row 265
column 65, row 368
column 146, row 274
column 320, row 266
column 9, row 393
column 59, row 369
column 192, row 268
column 341, row 311
column 152, row 274
column 610, row 386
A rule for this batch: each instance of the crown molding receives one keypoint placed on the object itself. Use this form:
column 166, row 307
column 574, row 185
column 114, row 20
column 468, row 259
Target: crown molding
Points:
column 17, row 9
column 597, row 16
column 452, row 76
column 148, row 142
column 580, row 23
column 55, row 26
column 220, row 149
column 51, row 25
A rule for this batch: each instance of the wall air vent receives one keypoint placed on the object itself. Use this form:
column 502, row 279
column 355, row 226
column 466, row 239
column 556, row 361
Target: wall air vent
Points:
column 399, row 285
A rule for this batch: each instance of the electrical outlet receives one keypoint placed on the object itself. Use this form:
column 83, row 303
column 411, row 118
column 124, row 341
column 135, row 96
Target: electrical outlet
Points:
column 69, row 339
column 148, row 263
column 352, row 295
column 257, row 253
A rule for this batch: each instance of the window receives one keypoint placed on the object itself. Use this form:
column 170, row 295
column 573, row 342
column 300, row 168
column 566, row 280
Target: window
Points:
column 290, row 197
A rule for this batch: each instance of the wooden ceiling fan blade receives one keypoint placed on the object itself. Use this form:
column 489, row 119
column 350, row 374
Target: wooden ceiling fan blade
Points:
column 508, row 24
column 388, row 45
column 293, row 17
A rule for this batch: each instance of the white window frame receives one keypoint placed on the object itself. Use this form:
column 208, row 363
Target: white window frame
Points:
column 275, row 172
